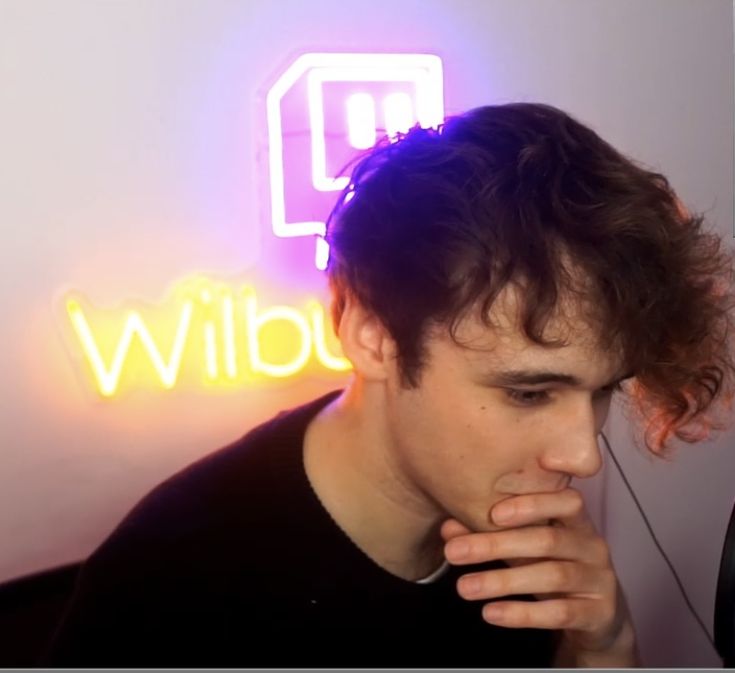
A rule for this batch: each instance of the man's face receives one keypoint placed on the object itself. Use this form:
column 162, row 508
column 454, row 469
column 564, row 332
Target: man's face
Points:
column 477, row 430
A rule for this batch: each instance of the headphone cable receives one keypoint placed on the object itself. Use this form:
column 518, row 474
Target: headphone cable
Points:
column 658, row 545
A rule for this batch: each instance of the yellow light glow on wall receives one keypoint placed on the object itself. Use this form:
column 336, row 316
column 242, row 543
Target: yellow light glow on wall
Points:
column 208, row 333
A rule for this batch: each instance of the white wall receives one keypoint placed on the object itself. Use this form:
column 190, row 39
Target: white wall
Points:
column 129, row 132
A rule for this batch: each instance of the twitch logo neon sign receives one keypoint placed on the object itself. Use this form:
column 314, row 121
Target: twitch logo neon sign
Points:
column 321, row 110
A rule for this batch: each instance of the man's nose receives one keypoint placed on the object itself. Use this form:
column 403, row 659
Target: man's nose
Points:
column 574, row 448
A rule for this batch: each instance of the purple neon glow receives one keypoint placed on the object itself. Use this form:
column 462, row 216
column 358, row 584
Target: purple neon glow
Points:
column 414, row 95
column 322, row 253
column 398, row 112
column 315, row 81
column 361, row 120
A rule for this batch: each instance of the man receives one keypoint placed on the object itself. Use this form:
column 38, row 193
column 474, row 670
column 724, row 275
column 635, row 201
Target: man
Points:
column 494, row 282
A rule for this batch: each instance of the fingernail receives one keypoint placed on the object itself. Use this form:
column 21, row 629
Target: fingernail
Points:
column 470, row 586
column 503, row 512
column 457, row 550
column 492, row 612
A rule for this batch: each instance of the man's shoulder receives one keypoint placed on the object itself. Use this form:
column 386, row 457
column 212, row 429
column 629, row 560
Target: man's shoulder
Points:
column 198, row 554
column 259, row 454
column 235, row 488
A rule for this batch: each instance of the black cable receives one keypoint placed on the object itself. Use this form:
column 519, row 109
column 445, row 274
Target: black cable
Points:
column 658, row 545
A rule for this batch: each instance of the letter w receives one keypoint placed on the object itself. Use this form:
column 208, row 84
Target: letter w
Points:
column 109, row 378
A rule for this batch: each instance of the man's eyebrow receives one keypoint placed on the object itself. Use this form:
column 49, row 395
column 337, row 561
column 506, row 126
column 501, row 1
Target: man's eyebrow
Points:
column 534, row 377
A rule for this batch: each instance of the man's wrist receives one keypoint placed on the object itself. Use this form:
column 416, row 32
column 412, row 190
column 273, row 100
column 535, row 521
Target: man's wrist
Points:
column 622, row 652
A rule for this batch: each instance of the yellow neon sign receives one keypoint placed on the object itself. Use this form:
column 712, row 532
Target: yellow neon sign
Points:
column 201, row 335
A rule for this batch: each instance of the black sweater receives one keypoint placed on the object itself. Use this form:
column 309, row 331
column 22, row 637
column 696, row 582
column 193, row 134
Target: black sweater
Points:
column 234, row 562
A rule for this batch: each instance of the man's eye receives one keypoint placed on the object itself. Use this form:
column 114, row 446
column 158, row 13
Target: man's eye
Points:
column 528, row 397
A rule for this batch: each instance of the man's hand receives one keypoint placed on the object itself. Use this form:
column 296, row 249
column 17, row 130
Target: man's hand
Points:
column 556, row 555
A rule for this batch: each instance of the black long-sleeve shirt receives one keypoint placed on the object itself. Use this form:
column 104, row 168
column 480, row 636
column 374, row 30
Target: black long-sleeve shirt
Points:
column 234, row 562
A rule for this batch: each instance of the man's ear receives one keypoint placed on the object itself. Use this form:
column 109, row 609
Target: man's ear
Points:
column 366, row 342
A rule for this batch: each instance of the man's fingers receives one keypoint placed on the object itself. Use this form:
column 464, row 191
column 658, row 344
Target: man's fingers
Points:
column 452, row 528
column 546, row 577
column 562, row 613
column 523, row 543
column 566, row 507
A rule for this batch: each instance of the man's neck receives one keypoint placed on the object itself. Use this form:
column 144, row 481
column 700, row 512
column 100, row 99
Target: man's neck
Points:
column 352, row 468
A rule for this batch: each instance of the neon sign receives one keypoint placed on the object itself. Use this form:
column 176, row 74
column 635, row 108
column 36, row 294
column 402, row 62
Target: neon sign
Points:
column 341, row 94
column 224, row 332
column 320, row 110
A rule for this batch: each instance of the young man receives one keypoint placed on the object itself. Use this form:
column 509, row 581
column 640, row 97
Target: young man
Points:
column 494, row 282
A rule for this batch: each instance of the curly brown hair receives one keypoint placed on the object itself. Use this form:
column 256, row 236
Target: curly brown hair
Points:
column 439, row 221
